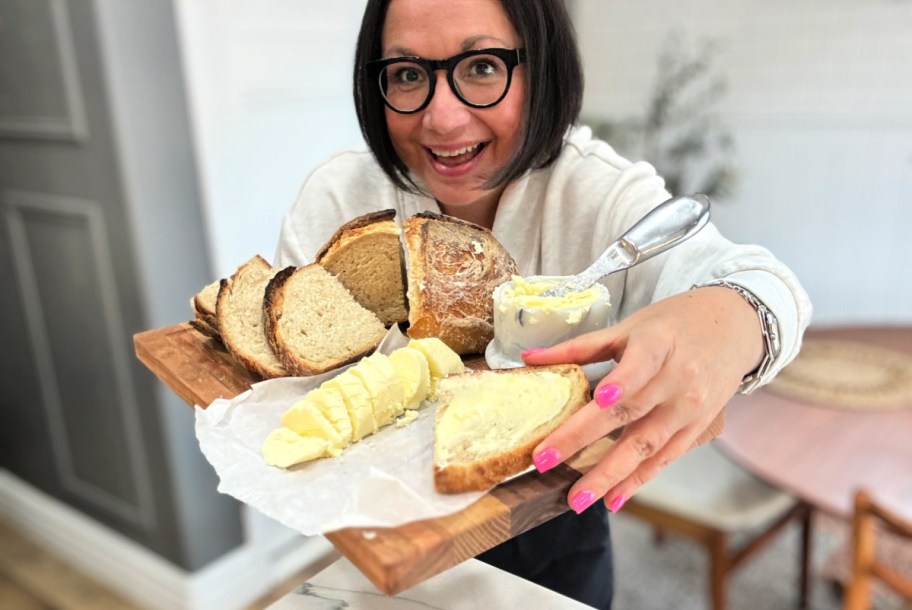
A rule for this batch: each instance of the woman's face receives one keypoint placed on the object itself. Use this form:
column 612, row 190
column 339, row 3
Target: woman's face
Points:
column 430, row 141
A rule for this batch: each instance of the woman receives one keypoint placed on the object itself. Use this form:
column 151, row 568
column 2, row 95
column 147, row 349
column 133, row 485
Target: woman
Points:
column 468, row 107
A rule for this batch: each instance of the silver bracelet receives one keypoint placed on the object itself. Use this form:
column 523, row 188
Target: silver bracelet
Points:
column 769, row 326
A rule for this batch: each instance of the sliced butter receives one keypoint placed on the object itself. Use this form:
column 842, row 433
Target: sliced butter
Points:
column 490, row 411
column 306, row 419
column 412, row 367
column 442, row 361
column 384, row 386
column 285, row 448
column 357, row 402
column 331, row 404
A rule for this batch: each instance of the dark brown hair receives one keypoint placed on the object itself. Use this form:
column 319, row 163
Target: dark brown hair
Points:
column 554, row 88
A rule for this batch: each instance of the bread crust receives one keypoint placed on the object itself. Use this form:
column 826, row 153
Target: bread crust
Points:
column 454, row 267
column 483, row 474
column 360, row 222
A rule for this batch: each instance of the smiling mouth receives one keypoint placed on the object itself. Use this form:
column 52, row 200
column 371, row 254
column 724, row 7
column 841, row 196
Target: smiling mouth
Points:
column 453, row 158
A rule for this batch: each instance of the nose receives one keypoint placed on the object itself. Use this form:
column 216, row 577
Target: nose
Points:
column 445, row 113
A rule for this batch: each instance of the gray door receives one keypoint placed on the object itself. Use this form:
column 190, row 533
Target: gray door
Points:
column 78, row 413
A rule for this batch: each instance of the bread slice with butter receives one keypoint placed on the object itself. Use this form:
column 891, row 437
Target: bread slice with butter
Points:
column 488, row 422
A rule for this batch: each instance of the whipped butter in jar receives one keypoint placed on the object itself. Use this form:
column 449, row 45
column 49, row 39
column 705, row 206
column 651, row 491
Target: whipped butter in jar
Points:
column 524, row 319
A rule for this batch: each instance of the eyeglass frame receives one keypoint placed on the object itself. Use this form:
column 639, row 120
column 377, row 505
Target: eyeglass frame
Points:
column 510, row 57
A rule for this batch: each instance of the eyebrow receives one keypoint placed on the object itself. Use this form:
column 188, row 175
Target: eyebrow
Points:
column 468, row 43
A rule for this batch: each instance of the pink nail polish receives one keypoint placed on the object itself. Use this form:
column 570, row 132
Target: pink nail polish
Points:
column 617, row 503
column 582, row 500
column 530, row 351
column 546, row 460
column 608, row 395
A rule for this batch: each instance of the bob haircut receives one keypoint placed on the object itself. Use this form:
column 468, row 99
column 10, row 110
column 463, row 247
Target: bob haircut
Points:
column 554, row 88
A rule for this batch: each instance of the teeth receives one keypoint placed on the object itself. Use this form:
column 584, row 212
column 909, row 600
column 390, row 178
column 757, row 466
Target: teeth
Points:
column 454, row 153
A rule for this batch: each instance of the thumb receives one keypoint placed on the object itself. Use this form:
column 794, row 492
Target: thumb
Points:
column 597, row 346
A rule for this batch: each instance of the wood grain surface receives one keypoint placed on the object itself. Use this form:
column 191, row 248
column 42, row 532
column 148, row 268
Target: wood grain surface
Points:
column 199, row 370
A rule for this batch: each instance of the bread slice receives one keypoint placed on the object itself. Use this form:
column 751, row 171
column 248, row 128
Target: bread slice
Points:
column 314, row 324
column 488, row 422
column 366, row 255
column 453, row 268
column 203, row 305
column 240, row 320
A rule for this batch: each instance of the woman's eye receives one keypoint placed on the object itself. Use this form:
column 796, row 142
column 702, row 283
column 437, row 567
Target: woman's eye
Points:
column 483, row 67
column 407, row 76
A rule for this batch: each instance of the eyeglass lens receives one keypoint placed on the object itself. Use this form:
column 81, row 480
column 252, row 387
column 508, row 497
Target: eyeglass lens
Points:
column 479, row 79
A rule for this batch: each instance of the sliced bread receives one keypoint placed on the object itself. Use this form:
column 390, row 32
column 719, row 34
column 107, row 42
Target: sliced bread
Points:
column 313, row 323
column 366, row 255
column 453, row 268
column 240, row 319
column 488, row 422
column 203, row 305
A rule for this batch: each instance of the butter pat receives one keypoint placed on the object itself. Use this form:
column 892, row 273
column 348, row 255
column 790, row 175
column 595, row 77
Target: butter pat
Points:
column 331, row 404
column 492, row 411
column 384, row 386
column 305, row 419
column 284, row 448
column 412, row 368
column 524, row 319
column 357, row 403
column 442, row 361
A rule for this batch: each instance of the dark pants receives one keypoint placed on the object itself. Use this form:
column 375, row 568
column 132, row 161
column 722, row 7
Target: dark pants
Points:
column 570, row 554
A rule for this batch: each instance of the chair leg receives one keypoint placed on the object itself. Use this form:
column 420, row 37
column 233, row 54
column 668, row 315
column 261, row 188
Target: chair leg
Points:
column 806, row 540
column 719, row 567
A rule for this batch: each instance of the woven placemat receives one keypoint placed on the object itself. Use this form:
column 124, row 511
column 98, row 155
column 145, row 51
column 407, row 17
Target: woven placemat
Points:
column 848, row 375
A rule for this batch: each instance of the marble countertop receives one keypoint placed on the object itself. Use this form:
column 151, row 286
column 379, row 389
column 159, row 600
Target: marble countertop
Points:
column 469, row 585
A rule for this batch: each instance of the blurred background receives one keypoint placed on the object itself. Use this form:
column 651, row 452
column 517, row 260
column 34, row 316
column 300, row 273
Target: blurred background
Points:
column 148, row 148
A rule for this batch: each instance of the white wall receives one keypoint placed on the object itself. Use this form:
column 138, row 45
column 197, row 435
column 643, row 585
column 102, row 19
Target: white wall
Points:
column 270, row 95
column 819, row 101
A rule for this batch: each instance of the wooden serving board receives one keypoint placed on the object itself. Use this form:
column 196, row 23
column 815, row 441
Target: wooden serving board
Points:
column 199, row 370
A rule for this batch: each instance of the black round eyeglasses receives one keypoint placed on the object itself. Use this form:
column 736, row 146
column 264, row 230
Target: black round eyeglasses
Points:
column 479, row 78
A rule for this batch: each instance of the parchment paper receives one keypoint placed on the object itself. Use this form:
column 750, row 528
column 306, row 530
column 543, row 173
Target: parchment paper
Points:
column 384, row 480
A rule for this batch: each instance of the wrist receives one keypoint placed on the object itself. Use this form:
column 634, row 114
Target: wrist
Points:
column 769, row 332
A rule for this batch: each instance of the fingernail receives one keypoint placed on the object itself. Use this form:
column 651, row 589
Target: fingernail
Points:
column 581, row 501
column 546, row 460
column 607, row 395
column 617, row 503
column 530, row 351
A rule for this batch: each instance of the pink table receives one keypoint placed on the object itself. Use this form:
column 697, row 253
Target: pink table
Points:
column 823, row 454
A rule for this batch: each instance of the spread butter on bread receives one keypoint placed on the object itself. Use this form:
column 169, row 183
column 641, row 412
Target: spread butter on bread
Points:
column 366, row 255
column 453, row 268
column 488, row 422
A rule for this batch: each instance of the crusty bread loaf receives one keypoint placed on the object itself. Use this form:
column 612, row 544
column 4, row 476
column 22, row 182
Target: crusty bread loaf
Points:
column 239, row 315
column 453, row 268
column 366, row 255
column 203, row 305
column 490, row 446
column 314, row 324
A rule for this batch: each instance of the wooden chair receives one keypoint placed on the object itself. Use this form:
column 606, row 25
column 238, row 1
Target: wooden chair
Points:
column 706, row 497
column 866, row 567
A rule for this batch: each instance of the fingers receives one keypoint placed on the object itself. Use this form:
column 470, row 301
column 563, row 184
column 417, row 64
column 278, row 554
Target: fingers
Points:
column 642, row 451
column 625, row 395
column 597, row 346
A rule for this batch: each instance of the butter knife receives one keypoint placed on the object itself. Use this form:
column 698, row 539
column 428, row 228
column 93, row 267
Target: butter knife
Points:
column 667, row 225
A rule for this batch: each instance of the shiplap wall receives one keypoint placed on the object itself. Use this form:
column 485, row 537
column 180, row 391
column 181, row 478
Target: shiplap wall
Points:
column 819, row 102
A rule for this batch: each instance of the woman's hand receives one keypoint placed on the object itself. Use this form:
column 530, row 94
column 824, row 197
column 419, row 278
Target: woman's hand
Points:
column 679, row 361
